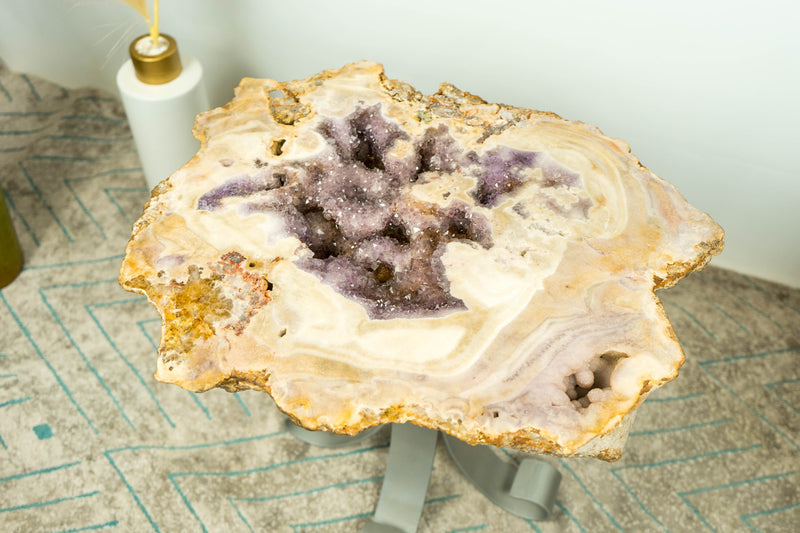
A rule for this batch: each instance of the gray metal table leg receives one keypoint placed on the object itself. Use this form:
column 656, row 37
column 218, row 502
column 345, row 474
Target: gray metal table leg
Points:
column 406, row 481
column 528, row 490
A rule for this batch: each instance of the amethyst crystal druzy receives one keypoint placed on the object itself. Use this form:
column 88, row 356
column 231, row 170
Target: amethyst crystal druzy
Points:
column 368, row 254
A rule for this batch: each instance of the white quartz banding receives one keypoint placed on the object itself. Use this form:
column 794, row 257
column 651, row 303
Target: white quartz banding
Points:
column 367, row 254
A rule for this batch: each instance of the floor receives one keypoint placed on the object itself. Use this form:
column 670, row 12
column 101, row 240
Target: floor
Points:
column 90, row 442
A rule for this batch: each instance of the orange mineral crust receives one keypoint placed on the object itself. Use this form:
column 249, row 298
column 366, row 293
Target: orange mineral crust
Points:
column 368, row 254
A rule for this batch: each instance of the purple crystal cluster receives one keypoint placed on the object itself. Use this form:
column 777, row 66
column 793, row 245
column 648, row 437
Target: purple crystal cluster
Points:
column 351, row 205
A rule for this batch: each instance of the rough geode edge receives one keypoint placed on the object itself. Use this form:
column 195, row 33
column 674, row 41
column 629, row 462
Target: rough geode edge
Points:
column 448, row 102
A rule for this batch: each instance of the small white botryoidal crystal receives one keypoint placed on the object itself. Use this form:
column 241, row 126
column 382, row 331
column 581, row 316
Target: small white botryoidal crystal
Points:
column 368, row 254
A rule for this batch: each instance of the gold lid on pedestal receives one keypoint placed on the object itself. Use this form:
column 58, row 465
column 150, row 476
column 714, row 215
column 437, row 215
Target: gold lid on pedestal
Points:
column 155, row 64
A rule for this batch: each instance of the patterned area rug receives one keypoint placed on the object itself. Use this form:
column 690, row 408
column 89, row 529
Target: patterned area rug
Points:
column 90, row 442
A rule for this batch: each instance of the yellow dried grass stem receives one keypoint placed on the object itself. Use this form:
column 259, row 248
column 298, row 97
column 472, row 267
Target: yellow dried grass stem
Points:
column 141, row 7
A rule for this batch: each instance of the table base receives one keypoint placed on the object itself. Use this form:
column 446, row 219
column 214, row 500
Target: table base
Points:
column 528, row 490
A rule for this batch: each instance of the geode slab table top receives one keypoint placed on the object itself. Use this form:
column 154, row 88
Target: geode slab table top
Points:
column 368, row 254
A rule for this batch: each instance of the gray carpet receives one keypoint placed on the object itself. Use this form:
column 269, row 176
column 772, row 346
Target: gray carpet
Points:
column 90, row 442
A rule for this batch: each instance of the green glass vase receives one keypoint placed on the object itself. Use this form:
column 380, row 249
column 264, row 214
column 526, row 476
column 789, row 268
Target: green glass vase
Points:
column 10, row 252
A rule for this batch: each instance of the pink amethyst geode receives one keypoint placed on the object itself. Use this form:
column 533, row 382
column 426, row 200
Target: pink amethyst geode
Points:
column 368, row 254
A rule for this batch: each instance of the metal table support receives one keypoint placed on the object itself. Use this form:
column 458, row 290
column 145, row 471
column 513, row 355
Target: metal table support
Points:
column 528, row 490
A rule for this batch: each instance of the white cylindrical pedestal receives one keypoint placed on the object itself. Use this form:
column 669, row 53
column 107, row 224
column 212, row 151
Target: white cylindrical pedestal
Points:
column 161, row 117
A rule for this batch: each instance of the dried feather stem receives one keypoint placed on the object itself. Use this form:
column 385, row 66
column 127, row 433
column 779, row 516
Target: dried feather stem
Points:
column 141, row 7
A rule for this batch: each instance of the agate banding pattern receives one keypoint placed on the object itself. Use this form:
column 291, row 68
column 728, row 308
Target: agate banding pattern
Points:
column 368, row 254
column 351, row 206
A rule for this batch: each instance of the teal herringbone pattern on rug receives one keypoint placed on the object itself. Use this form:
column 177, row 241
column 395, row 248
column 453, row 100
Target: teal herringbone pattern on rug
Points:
column 90, row 442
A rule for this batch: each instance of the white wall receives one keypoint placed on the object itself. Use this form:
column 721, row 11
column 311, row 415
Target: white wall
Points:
column 705, row 92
